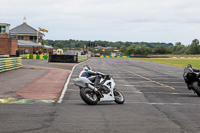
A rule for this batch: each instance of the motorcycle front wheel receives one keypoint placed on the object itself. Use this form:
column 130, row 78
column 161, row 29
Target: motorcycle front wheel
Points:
column 88, row 96
column 119, row 98
column 196, row 88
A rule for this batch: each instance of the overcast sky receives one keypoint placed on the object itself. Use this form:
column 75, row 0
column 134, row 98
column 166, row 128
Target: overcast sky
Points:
column 168, row 21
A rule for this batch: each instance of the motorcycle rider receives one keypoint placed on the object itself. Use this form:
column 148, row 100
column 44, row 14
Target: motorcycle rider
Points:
column 91, row 75
column 195, row 70
column 186, row 70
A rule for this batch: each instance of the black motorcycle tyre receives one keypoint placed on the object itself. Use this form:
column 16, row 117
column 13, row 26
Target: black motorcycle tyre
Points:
column 196, row 88
column 117, row 92
column 86, row 99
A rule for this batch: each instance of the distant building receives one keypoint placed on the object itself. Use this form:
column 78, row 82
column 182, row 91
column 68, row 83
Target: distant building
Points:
column 4, row 28
column 100, row 47
column 115, row 54
column 113, row 48
column 8, row 45
column 74, row 52
column 23, row 37
column 29, row 47
column 26, row 32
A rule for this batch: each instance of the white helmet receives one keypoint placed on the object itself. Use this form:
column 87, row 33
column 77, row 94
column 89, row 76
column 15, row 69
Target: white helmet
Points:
column 86, row 68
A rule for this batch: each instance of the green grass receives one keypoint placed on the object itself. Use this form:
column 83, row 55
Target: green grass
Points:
column 173, row 62
column 170, row 55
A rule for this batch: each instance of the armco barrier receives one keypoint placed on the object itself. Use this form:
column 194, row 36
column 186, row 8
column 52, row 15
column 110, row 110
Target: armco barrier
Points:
column 7, row 64
column 63, row 58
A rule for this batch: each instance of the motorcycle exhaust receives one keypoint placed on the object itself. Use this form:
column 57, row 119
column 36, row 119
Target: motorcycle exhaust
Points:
column 95, row 89
column 92, row 87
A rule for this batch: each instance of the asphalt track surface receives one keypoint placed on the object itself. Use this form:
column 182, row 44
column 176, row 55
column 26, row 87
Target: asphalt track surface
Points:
column 35, row 81
column 157, row 100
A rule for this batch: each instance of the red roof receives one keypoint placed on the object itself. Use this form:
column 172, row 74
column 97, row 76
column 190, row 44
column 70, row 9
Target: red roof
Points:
column 100, row 47
column 74, row 51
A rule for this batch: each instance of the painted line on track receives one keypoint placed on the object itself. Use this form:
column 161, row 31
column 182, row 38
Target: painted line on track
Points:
column 188, row 104
column 67, row 82
column 151, row 80
column 157, row 93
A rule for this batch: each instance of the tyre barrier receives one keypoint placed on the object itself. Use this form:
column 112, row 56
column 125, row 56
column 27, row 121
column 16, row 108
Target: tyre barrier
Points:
column 104, row 56
column 4, row 56
column 34, row 56
column 7, row 64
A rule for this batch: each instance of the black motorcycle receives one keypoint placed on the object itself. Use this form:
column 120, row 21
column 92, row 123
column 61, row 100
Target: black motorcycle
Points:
column 192, row 79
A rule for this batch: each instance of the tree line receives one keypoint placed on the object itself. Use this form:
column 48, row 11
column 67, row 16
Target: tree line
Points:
column 128, row 48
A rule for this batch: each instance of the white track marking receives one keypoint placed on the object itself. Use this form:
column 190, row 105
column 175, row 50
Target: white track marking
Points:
column 67, row 82
column 162, row 103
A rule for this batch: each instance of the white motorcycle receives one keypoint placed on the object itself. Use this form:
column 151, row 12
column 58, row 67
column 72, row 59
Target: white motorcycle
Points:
column 106, row 92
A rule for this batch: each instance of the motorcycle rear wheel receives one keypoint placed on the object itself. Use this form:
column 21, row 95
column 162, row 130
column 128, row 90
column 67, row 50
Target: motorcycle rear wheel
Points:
column 88, row 96
column 196, row 88
column 119, row 98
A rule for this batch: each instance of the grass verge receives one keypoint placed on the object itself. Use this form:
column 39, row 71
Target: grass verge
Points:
column 173, row 62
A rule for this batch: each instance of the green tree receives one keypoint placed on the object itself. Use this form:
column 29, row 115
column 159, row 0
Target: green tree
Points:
column 107, row 52
column 161, row 50
column 60, row 44
column 142, row 50
column 130, row 51
column 194, row 47
column 179, row 49
column 123, row 50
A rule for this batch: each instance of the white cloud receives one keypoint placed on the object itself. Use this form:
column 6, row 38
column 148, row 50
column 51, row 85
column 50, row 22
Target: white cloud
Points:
column 113, row 20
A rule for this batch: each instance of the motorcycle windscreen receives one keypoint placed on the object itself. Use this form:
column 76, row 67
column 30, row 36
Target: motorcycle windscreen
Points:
column 187, row 70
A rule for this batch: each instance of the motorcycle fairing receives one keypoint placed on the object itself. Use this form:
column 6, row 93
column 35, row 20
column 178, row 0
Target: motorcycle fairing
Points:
column 82, row 81
column 110, row 95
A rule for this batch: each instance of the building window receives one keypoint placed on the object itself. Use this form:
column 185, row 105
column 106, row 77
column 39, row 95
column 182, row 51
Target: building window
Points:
column 2, row 29
column 26, row 51
column 33, row 38
column 20, row 37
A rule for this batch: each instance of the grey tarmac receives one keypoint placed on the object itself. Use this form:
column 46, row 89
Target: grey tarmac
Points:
column 149, row 106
